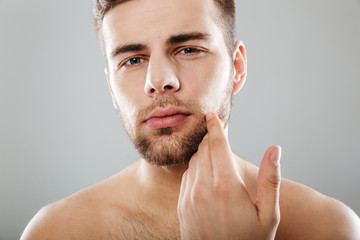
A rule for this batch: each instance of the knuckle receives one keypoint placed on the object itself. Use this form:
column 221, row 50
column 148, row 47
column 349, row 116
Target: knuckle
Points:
column 222, row 189
column 274, row 181
column 198, row 197
column 199, row 193
column 219, row 145
column 216, row 142
column 274, row 220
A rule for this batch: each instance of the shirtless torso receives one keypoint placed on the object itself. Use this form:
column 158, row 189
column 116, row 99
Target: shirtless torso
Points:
column 122, row 207
column 170, row 72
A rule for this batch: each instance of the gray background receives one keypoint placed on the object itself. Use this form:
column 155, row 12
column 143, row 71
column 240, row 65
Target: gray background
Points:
column 59, row 132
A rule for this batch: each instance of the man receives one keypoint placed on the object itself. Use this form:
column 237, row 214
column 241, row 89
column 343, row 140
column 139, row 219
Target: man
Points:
column 172, row 69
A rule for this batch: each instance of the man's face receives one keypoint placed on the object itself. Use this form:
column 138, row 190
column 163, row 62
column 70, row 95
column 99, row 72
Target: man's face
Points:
column 168, row 66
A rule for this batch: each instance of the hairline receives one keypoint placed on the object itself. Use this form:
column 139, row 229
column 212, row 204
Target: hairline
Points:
column 217, row 17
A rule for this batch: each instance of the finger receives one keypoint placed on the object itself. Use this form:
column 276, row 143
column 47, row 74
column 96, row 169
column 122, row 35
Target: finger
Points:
column 192, row 169
column 269, row 179
column 182, row 192
column 203, row 162
column 183, row 185
column 198, row 163
column 219, row 148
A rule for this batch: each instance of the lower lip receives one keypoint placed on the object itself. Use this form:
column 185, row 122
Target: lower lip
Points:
column 165, row 122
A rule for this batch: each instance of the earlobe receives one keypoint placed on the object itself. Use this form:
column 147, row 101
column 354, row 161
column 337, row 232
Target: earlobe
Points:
column 240, row 66
column 116, row 106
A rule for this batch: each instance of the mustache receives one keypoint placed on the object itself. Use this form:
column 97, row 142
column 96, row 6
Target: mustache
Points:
column 163, row 101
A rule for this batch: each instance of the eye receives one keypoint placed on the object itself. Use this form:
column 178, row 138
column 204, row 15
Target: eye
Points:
column 189, row 51
column 133, row 61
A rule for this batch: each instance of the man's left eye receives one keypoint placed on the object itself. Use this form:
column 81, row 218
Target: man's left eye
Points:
column 189, row 50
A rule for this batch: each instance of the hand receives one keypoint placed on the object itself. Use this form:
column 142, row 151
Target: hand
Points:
column 213, row 201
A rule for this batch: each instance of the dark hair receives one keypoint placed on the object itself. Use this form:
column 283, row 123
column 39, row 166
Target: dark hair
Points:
column 226, row 19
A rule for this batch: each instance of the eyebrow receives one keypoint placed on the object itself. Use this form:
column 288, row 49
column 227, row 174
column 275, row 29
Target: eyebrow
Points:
column 174, row 39
column 184, row 37
column 127, row 48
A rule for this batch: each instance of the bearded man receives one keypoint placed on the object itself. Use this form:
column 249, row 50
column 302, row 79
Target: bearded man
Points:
column 172, row 69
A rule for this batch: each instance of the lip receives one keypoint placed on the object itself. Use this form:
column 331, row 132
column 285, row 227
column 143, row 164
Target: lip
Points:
column 166, row 117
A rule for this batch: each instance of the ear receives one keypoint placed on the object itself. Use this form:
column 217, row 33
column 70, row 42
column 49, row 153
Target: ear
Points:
column 240, row 66
column 116, row 106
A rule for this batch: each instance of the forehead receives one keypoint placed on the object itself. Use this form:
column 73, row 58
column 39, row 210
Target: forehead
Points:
column 148, row 21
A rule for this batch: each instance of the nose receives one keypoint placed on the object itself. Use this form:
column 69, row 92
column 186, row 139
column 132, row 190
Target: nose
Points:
column 160, row 77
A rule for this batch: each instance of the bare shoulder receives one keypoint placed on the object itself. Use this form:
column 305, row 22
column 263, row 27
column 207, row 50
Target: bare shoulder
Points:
column 65, row 219
column 308, row 214
column 87, row 214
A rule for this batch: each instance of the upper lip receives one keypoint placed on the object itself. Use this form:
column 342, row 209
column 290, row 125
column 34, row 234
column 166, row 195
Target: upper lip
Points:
column 168, row 111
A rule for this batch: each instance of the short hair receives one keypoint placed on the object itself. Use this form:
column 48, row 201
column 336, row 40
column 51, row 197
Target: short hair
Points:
column 226, row 19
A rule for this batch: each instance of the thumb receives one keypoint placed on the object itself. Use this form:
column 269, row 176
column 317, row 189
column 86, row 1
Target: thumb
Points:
column 267, row 201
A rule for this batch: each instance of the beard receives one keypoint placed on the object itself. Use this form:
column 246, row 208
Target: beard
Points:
column 174, row 145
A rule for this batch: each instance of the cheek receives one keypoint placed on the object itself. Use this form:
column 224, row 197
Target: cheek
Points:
column 207, row 82
column 127, row 89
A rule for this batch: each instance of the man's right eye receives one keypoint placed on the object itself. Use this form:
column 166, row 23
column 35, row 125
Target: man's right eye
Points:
column 133, row 61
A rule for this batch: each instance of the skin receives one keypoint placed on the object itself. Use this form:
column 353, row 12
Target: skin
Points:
column 214, row 202
column 218, row 195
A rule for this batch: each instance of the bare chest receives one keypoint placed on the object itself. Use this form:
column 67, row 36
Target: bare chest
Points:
column 140, row 226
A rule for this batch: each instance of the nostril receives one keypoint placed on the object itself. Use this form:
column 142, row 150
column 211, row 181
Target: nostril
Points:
column 154, row 90
column 168, row 87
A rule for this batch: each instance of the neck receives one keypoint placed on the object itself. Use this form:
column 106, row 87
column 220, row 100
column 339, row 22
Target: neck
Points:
column 161, row 182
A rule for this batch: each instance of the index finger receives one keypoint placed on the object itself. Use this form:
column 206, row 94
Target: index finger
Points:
column 220, row 152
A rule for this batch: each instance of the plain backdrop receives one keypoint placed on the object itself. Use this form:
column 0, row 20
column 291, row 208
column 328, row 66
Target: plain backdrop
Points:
column 59, row 132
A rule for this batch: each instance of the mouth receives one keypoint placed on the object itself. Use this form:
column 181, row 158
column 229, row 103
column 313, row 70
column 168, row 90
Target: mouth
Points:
column 166, row 117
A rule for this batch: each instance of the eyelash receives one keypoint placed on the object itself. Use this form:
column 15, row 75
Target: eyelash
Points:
column 137, row 58
column 194, row 49
column 126, row 62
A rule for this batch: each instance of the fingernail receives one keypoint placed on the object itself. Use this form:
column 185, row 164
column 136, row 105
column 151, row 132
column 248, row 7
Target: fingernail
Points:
column 275, row 155
column 209, row 116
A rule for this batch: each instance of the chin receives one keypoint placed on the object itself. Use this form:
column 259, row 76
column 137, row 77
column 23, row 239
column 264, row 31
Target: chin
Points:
column 170, row 146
